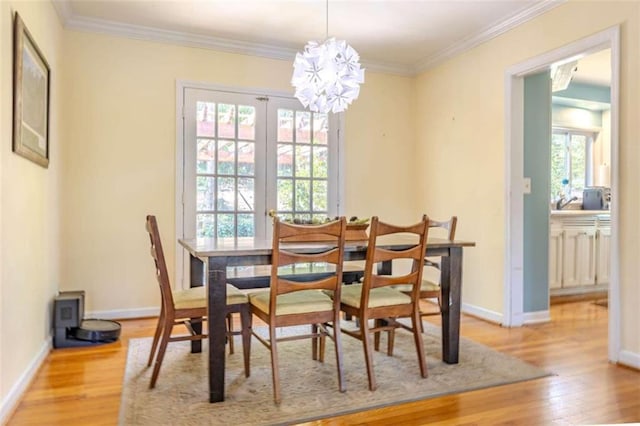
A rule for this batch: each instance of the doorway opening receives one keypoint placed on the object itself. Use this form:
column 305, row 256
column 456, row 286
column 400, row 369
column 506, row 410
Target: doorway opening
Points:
column 514, row 296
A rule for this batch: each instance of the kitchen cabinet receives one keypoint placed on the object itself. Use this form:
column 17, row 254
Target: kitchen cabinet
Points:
column 603, row 253
column 578, row 256
column 555, row 257
column 579, row 252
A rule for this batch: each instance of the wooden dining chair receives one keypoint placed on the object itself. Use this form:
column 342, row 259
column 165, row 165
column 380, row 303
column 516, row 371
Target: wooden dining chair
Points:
column 189, row 307
column 430, row 289
column 291, row 302
column 376, row 304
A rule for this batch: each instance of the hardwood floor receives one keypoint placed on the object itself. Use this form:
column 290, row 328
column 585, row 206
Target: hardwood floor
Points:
column 81, row 386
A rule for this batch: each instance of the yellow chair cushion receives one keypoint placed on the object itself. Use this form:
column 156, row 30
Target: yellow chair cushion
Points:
column 235, row 296
column 425, row 286
column 383, row 296
column 300, row 302
column 196, row 297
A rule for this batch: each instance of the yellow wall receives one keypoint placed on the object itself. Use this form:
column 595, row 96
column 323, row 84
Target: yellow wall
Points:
column 29, row 212
column 120, row 144
column 460, row 135
column 80, row 223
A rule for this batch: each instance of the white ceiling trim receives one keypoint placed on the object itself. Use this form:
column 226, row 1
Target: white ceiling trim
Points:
column 79, row 23
column 488, row 34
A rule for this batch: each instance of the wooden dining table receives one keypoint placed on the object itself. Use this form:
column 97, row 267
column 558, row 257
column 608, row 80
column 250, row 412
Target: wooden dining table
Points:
column 210, row 258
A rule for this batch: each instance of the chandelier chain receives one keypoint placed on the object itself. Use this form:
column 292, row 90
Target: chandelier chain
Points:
column 327, row 22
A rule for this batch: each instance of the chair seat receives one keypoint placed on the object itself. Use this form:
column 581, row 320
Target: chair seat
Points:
column 196, row 297
column 383, row 296
column 299, row 302
column 425, row 286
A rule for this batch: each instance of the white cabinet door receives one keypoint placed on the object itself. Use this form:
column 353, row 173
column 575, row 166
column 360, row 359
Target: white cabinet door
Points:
column 603, row 255
column 555, row 257
column 579, row 252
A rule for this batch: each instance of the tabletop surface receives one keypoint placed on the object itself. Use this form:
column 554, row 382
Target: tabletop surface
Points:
column 211, row 247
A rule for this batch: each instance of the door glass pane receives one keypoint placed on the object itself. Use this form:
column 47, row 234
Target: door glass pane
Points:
column 303, row 195
column 285, row 195
column 205, row 225
column 320, row 128
column 206, row 152
column 205, row 119
column 206, row 187
column 246, row 158
column 303, row 127
column 246, row 225
column 320, row 161
column 226, row 157
column 226, row 225
column 246, row 122
column 226, row 121
column 303, row 161
column 285, row 159
column 319, row 195
column 246, row 193
column 226, row 194
column 285, row 125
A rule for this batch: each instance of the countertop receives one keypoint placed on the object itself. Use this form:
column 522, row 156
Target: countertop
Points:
column 571, row 212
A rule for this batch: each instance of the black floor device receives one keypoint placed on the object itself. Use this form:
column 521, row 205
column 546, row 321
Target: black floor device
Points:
column 71, row 330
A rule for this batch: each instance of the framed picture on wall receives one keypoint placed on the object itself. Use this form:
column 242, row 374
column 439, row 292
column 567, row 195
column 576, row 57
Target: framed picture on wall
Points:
column 30, row 97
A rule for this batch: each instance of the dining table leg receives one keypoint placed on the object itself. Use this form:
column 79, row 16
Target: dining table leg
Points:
column 196, row 267
column 217, row 303
column 451, row 288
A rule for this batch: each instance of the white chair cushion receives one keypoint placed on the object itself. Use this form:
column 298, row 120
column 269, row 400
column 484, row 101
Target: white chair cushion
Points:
column 300, row 302
column 384, row 296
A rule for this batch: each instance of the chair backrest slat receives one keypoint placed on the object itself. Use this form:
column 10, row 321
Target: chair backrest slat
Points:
column 377, row 254
column 161, row 267
column 330, row 250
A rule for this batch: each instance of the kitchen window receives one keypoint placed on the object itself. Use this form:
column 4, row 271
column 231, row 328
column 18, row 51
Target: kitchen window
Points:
column 571, row 162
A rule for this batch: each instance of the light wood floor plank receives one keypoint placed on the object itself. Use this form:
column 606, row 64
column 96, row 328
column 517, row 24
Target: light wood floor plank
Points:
column 82, row 386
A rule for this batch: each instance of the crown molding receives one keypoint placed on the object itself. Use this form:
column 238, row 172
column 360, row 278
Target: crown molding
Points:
column 487, row 34
column 79, row 23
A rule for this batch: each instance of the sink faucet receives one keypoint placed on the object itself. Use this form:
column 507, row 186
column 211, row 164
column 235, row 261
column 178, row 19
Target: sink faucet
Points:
column 560, row 204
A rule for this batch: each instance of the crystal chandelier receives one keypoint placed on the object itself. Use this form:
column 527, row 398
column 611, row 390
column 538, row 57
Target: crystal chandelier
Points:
column 327, row 76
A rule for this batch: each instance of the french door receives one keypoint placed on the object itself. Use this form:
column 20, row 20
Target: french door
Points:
column 247, row 154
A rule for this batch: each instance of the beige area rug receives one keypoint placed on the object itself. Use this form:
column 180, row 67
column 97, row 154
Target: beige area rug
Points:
column 309, row 388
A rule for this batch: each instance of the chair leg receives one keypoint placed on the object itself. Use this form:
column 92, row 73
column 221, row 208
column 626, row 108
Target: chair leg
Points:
column 417, row 337
column 166, row 335
column 391, row 337
column 314, row 342
column 323, row 345
column 275, row 373
column 230, row 332
column 368, row 353
column 337, row 342
column 245, row 321
column 376, row 336
column 156, row 337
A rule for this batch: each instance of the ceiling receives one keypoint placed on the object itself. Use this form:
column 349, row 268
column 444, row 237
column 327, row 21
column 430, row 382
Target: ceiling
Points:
column 398, row 36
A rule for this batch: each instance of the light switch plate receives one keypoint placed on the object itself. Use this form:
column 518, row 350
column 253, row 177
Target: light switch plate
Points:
column 526, row 185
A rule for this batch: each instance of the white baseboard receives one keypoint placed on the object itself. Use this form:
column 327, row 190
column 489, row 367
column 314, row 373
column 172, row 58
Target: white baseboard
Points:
column 497, row 317
column 482, row 313
column 629, row 359
column 536, row 317
column 10, row 403
column 124, row 313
